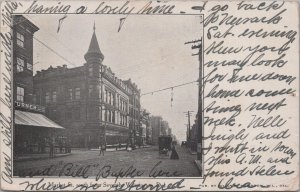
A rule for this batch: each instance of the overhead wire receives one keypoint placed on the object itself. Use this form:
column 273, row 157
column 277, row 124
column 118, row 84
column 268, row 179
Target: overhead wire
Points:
column 172, row 87
column 62, row 57
column 68, row 49
column 41, row 42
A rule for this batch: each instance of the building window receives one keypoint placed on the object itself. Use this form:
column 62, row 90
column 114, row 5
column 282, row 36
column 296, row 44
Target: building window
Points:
column 100, row 92
column 47, row 97
column 70, row 94
column 54, row 96
column 109, row 116
column 117, row 101
column 20, row 40
column 113, row 117
column 112, row 99
column 105, row 115
column 20, row 64
column 106, row 96
column 91, row 88
column 91, row 71
column 20, row 94
column 29, row 66
column 109, row 97
column 77, row 93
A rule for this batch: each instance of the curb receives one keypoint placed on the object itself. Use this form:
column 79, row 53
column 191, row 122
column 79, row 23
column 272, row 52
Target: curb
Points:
column 40, row 158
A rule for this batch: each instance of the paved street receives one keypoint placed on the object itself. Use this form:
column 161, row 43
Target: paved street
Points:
column 143, row 159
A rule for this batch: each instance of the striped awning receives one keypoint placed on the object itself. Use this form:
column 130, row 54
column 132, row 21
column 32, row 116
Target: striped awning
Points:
column 34, row 119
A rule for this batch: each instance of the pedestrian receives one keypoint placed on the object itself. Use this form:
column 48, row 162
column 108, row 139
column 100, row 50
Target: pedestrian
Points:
column 101, row 150
column 174, row 154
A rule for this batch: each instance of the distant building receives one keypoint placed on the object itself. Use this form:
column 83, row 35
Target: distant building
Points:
column 164, row 128
column 145, row 126
column 89, row 101
column 134, row 112
column 156, row 123
column 33, row 130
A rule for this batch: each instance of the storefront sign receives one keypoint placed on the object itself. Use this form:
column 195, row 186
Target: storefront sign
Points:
column 31, row 107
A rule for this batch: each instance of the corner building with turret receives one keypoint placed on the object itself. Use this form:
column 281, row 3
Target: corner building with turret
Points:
column 89, row 100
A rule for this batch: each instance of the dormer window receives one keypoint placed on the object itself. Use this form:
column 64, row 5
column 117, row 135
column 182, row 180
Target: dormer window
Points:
column 20, row 40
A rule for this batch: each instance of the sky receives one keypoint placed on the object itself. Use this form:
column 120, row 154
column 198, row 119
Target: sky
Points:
column 148, row 49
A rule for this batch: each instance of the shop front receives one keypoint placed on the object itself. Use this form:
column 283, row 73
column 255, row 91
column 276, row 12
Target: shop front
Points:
column 116, row 134
column 35, row 133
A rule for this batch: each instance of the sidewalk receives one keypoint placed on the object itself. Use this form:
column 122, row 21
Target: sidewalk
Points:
column 121, row 149
column 29, row 157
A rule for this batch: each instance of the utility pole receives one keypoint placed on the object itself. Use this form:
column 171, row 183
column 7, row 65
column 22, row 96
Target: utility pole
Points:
column 198, row 44
column 200, row 114
column 188, row 115
column 187, row 132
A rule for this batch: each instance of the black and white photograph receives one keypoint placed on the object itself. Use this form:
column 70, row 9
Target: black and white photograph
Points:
column 149, row 95
column 89, row 91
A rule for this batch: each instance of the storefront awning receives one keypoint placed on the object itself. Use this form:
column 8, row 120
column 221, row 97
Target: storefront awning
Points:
column 34, row 119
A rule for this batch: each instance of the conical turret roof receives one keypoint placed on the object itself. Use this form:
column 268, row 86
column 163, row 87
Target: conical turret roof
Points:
column 94, row 46
column 94, row 49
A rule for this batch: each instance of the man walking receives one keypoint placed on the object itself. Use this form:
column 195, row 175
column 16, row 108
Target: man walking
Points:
column 101, row 149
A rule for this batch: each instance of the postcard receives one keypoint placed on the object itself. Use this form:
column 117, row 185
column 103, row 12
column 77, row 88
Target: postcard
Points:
column 149, row 95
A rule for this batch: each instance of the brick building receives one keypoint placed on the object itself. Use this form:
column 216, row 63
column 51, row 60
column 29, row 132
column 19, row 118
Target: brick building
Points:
column 33, row 130
column 89, row 101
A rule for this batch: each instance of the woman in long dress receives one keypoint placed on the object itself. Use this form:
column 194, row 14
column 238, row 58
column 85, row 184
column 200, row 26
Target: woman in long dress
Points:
column 174, row 154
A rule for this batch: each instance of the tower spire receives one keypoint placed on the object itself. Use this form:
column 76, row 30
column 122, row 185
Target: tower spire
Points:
column 94, row 50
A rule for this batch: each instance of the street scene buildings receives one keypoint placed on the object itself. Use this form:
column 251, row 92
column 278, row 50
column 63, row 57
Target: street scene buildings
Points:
column 34, row 131
column 61, row 109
